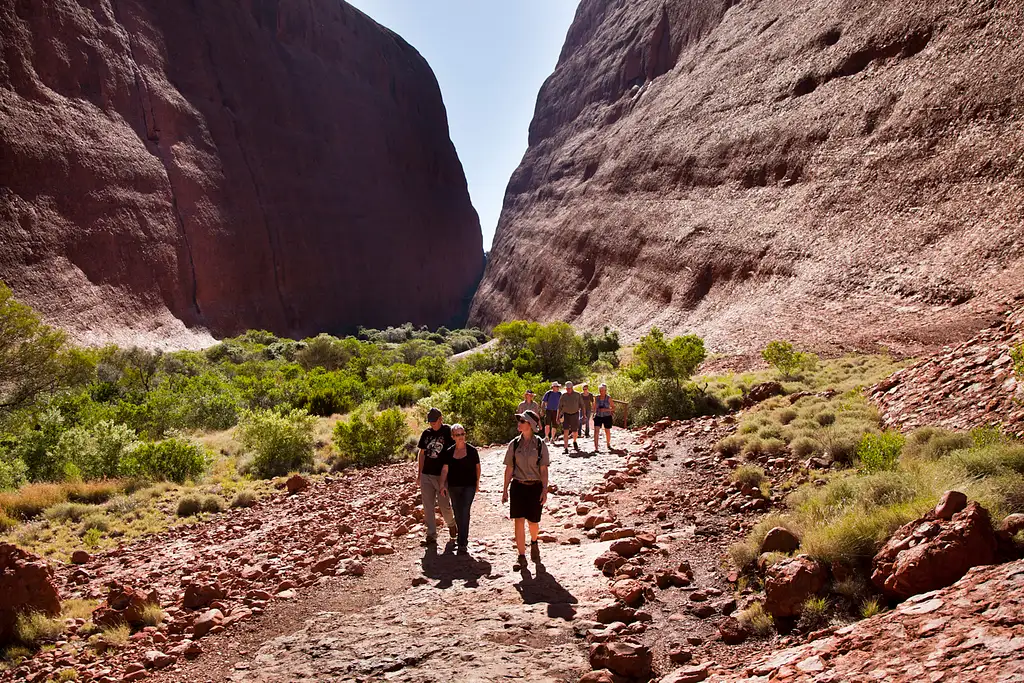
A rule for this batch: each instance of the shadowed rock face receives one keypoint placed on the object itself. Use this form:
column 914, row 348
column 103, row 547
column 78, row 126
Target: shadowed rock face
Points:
column 829, row 171
column 228, row 165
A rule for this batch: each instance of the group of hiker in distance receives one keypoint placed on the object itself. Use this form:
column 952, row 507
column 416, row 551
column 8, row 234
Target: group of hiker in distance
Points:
column 449, row 467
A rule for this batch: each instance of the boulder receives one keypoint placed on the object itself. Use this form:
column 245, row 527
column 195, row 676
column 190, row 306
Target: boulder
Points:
column 629, row 591
column 732, row 631
column 780, row 540
column 199, row 595
column 206, row 621
column 688, row 674
column 599, row 676
column 763, row 392
column 1012, row 524
column 627, row 547
column 80, row 557
column 155, row 659
column 623, row 658
column 790, row 582
column 297, row 483
column 608, row 561
column 27, row 585
column 123, row 605
column 931, row 553
column 612, row 611
column 951, row 503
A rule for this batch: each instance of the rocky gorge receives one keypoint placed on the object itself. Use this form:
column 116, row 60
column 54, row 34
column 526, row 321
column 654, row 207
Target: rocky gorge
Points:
column 174, row 170
column 840, row 173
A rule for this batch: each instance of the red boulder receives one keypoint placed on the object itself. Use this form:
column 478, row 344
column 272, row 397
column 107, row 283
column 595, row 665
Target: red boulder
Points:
column 790, row 582
column 623, row 658
column 932, row 553
column 124, row 605
column 26, row 584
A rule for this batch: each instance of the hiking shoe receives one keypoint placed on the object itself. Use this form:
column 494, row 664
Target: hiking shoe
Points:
column 520, row 564
column 453, row 532
column 429, row 540
column 565, row 451
column 462, row 550
column 576, row 446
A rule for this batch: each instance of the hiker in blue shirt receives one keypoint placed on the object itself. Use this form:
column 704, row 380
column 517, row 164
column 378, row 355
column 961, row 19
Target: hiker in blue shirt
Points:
column 549, row 404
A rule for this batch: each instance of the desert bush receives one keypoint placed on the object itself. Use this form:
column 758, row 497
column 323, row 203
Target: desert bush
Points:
column 748, row 475
column 7, row 523
column 32, row 499
column 245, row 498
column 189, row 505
column 803, row 446
column 745, row 553
column 212, row 504
column 730, row 445
column 96, row 520
column 116, row 636
column 870, row 608
column 784, row 357
column 932, row 443
column 175, row 459
column 69, row 512
column 655, row 399
column 77, row 608
column 786, row 415
column 152, row 615
column 279, row 443
column 814, row 612
column 880, row 452
column 370, row 438
column 35, row 628
column 756, row 619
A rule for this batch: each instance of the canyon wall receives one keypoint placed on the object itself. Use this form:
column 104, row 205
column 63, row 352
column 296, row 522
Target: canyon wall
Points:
column 842, row 173
column 172, row 167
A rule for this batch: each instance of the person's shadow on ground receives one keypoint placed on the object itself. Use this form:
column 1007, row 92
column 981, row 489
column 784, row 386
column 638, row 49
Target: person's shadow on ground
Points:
column 447, row 567
column 543, row 587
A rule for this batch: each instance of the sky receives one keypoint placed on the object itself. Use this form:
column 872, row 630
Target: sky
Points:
column 490, row 59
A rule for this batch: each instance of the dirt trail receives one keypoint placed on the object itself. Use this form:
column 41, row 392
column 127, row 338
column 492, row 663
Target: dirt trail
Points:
column 470, row 618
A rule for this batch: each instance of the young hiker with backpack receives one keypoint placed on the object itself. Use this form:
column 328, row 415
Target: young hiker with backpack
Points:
column 526, row 483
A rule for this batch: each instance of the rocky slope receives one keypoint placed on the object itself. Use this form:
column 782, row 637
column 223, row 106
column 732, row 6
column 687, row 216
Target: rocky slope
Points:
column 829, row 171
column 226, row 165
column 970, row 385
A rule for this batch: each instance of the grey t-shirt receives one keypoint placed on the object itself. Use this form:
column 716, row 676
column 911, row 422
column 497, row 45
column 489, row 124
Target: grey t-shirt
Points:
column 524, row 459
column 571, row 403
column 532, row 405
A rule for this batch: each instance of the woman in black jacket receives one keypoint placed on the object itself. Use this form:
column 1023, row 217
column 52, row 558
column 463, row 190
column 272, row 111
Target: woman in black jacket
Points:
column 460, row 478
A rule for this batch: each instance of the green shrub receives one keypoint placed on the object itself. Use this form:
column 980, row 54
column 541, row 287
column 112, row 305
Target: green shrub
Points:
column 880, row 452
column 730, row 445
column 92, row 537
column 932, row 443
column 6, row 523
column 97, row 521
column 369, row 438
column 34, row 628
column 212, row 504
column 656, row 357
column 748, row 475
column 189, row 505
column 782, row 356
column 13, row 471
column 485, row 403
column 245, row 498
column 660, row 398
column 69, row 512
column 814, row 613
column 279, row 443
column 175, row 459
column 756, row 619
column 803, row 446
column 870, row 608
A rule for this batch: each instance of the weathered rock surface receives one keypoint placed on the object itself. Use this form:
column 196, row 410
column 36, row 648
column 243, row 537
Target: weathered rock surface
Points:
column 26, row 584
column 932, row 552
column 790, row 582
column 825, row 171
column 273, row 165
column 970, row 631
column 967, row 386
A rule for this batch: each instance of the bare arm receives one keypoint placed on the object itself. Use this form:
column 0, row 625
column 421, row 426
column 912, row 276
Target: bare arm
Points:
column 444, row 479
column 419, row 463
column 478, row 476
column 508, row 480
column 544, row 486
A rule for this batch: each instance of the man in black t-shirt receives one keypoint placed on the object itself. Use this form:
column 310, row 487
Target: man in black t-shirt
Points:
column 432, row 443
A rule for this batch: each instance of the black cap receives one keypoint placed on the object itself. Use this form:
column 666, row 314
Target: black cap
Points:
column 433, row 415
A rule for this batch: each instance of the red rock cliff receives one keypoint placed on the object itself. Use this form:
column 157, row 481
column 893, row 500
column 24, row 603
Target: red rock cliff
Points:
column 226, row 164
column 829, row 171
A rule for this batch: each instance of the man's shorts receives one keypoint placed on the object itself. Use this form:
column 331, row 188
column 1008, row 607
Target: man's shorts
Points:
column 571, row 422
column 605, row 421
column 551, row 416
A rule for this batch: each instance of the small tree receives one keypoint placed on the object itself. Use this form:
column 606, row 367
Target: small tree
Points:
column 32, row 355
column 784, row 357
column 372, row 438
column 677, row 359
column 880, row 452
column 280, row 443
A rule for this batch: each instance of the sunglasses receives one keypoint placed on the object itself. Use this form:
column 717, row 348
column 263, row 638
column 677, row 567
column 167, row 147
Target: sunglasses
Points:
column 458, row 433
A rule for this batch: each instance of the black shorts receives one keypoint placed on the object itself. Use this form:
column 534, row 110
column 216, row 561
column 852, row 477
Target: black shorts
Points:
column 524, row 500
column 552, row 417
column 571, row 422
column 605, row 421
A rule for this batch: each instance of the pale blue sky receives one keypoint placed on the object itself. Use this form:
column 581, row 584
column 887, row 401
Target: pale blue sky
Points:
column 490, row 58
